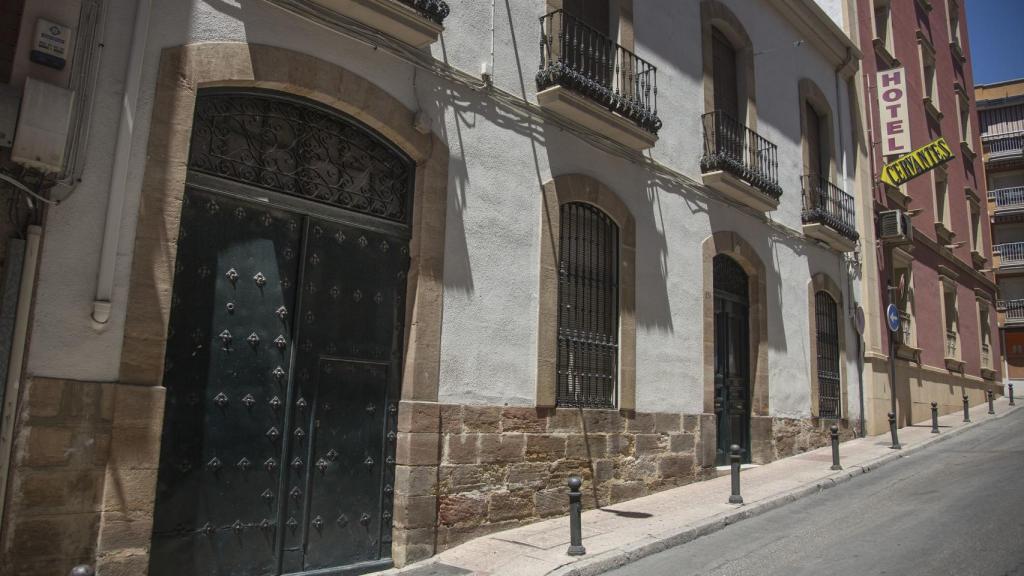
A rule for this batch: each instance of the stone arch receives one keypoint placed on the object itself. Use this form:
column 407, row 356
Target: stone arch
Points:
column 821, row 282
column 716, row 15
column 811, row 94
column 580, row 188
column 734, row 246
column 183, row 70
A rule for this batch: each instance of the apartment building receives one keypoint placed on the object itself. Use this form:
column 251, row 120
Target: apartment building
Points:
column 1001, row 116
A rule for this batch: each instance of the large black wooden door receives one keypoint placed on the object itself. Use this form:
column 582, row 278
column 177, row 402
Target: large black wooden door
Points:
column 732, row 361
column 284, row 351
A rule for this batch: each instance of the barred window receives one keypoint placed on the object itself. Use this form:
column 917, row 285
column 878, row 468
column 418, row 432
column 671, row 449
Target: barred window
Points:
column 588, row 307
column 827, row 320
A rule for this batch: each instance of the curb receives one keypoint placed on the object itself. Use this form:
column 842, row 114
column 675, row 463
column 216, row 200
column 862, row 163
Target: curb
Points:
column 618, row 558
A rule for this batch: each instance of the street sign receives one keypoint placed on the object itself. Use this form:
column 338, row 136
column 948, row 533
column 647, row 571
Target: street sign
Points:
column 858, row 317
column 920, row 161
column 892, row 317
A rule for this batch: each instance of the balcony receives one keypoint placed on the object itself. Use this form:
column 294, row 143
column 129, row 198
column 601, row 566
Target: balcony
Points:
column 1007, row 200
column 828, row 213
column 417, row 23
column 1008, row 258
column 1003, row 147
column 1011, row 312
column 740, row 163
column 589, row 79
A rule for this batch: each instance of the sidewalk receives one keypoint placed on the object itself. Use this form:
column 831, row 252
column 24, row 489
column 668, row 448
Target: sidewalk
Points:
column 625, row 532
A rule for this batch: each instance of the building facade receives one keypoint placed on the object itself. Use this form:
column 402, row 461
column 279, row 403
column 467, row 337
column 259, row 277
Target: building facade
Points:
column 940, row 277
column 305, row 249
column 1001, row 116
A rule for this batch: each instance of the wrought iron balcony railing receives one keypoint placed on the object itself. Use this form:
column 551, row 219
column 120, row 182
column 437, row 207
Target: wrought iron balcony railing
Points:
column 436, row 10
column 952, row 341
column 1013, row 311
column 575, row 56
column 1008, row 198
column 1011, row 254
column 1008, row 145
column 825, row 203
column 731, row 146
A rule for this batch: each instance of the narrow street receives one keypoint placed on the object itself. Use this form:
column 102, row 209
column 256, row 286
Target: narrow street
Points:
column 955, row 508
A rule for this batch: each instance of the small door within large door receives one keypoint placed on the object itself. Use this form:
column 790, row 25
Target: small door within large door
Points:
column 732, row 360
column 284, row 349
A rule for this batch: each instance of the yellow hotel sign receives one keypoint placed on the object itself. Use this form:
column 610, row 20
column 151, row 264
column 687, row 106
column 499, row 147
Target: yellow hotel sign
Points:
column 910, row 166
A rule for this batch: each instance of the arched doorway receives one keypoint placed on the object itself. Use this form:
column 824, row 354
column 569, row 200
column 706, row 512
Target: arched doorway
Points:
column 732, row 358
column 284, row 348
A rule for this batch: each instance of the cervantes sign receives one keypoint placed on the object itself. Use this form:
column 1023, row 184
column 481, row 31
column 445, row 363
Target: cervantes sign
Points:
column 891, row 86
column 910, row 166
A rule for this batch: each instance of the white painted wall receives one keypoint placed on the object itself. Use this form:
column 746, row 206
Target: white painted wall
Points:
column 498, row 164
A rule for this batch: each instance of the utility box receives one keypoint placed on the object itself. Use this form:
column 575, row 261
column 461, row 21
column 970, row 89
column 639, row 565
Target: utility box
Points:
column 10, row 97
column 43, row 125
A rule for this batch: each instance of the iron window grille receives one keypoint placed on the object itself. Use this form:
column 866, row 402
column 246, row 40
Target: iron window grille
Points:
column 581, row 58
column 588, row 308
column 829, row 389
column 731, row 146
column 825, row 203
column 436, row 10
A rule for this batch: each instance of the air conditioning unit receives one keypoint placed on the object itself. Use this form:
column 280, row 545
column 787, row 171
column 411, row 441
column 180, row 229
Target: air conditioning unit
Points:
column 894, row 226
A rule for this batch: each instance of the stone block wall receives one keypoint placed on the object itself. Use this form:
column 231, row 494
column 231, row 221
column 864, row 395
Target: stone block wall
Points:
column 502, row 467
column 55, row 491
column 792, row 436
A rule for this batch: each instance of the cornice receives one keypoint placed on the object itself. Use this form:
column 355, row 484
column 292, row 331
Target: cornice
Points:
column 816, row 26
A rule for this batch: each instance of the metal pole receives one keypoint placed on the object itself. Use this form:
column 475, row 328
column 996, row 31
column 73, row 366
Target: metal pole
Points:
column 1010, row 386
column 991, row 408
column 834, row 432
column 967, row 409
column 82, row 570
column 575, row 529
column 935, row 418
column 892, row 430
column 734, row 458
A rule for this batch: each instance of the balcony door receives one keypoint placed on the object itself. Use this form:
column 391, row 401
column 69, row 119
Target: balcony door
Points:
column 593, row 13
column 725, row 70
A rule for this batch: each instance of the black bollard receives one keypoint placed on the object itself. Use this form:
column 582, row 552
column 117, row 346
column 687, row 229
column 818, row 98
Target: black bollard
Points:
column 967, row 409
column 82, row 570
column 991, row 408
column 734, row 459
column 834, row 432
column 1010, row 386
column 575, row 510
column 892, row 431
column 935, row 418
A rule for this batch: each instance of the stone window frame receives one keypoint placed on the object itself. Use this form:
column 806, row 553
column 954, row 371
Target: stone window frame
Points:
column 134, row 457
column 811, row 94
column 561, row 190
column 984, row 332
column 948, row 283
column 715, row 15
column 821, row 282
column 733, row 245
column 903, row 260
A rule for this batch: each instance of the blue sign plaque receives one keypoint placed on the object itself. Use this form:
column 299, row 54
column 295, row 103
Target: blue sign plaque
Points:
column 892, row 317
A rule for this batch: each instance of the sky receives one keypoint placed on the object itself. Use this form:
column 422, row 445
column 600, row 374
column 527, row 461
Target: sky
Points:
column 995, row 29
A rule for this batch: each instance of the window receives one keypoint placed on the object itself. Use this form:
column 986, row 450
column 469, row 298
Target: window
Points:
column 941, row 202
column 827, row 326
column 976, row 241
column 985, row 329
column 952, row 321
column 953, row 12
column 883, row 25
column 965, row 119
column 817, row 155
column 726, row 79
column 931, row 92
column 903, row 281
column 588, row 307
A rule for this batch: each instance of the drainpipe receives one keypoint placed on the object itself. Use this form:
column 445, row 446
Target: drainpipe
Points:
column 119, row 175
column 14, row 368
column 849, row 279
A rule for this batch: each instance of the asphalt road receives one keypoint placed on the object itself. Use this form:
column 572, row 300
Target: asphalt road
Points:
column 954, row 508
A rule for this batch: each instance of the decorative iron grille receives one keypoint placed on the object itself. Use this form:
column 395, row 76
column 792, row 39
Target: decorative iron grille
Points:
column 729, row 277
column 905, row 335
column 585, row 60
column 1011, row 254
column 436, row 10
column 588, row 307
column 1003, row 146
column 825, row 203
column 731, row 146
column 1013, row 310
column 301, row 149
column 952, row 343
column 827, row 321
column 1008, row 198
